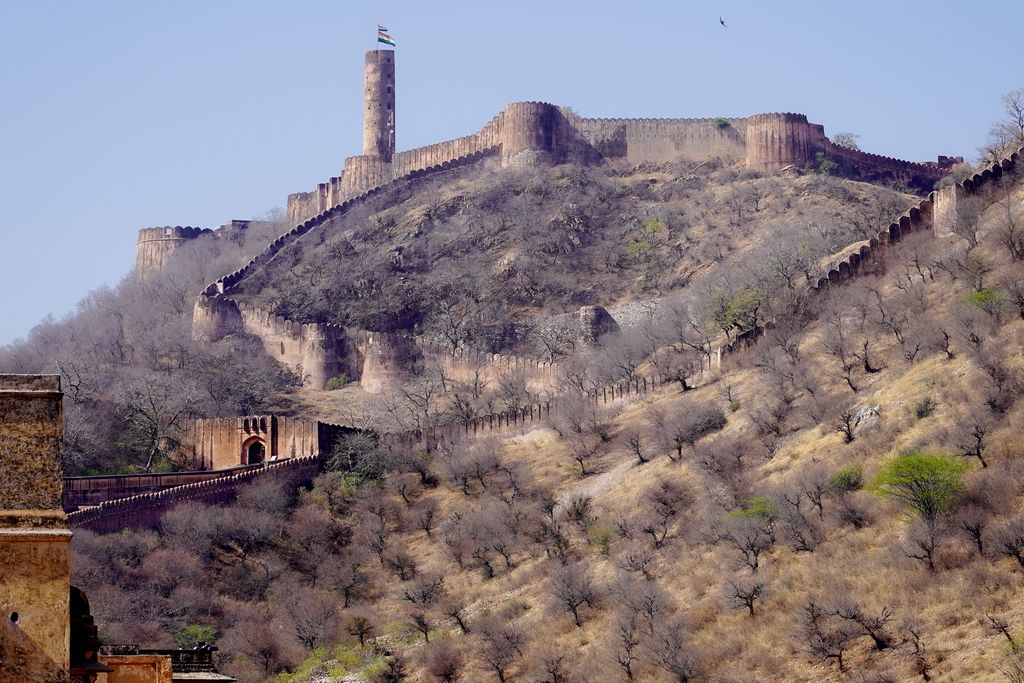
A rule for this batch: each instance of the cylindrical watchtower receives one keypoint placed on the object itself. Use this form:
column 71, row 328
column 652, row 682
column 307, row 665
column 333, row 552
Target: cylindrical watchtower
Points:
column 379, row 107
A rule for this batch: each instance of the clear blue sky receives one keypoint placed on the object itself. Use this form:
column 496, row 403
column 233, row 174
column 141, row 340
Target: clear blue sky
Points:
column 120, row 115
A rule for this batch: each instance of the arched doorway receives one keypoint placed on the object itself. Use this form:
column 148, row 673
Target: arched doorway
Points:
column 253, row 452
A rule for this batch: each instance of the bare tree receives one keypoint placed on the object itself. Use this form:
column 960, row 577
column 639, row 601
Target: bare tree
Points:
column 672, row 652
column 744, row 593
column 1008, row 539
column 1006, row 135
column 500, row 646
column 572, row 588
column 445, row 663
column 827, row 637
column 626, row 644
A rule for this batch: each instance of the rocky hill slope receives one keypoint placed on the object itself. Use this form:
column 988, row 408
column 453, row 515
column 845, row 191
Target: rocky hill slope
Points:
column 840, row 500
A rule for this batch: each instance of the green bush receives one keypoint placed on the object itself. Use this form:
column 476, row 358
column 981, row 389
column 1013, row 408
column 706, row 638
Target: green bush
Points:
column 756, row 506
column 826, row 166
column 846, row 480
column 338, row 382
column 721, row 123
column 193, row 634
column 928, row 483
column 987, row 300
column 734, row 406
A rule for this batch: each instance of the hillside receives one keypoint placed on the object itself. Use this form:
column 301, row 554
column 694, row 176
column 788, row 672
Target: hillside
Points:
column 767, row 524
column 481, row 256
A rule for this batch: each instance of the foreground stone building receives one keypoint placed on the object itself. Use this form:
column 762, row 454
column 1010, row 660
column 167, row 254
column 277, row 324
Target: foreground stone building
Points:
column 47, row 634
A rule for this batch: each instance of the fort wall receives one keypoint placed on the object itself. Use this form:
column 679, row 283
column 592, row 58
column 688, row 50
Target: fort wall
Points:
column 317, row 352
column 538, row 132
column 93, row 490
column 145, row 510
column 469, row 365
column 662, row 140
column 154, row 246
column 221, row 443
column 388, row 361
column 936, row 214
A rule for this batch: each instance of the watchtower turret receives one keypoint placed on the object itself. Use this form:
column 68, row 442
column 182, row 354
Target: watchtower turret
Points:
column 379, row 106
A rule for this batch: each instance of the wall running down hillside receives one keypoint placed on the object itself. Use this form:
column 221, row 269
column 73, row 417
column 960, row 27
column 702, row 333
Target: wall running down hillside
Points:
column 937, row 213
column 145, row 510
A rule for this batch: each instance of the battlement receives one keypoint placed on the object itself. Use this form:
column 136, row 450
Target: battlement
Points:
column 541, row 132
column 155, row 246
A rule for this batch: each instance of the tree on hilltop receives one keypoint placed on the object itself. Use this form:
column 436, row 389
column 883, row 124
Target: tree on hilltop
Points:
column 1007, row 134
column 847, row 140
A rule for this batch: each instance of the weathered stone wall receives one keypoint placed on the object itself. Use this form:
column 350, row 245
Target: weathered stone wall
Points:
column 467, row 365
column 156, row 245
column 93, row 490
column 34, row 539
column 662, row 140
column 144, row 511
column 388, row 360
column 317, row 352
column 136, row 669
column 948, row 200
column 220, row 443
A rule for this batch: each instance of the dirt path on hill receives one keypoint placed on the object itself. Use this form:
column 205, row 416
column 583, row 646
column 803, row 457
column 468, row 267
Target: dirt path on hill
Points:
column 597, row 483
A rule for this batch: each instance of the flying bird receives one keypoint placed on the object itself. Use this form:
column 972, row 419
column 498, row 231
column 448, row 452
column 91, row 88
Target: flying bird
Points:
column 722, row 22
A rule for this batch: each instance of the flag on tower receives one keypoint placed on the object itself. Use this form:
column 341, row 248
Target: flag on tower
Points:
column 383, row 37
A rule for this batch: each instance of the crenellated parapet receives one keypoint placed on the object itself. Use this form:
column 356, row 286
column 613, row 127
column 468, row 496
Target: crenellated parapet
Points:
column 156, row 245
column 949, row 200
column 526, row 133
column 935, row 215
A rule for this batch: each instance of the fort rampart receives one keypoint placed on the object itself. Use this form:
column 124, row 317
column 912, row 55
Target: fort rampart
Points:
column 145, row 510
column 155, row 246
column 935, row 214
column 536, row 132
column 220, row 443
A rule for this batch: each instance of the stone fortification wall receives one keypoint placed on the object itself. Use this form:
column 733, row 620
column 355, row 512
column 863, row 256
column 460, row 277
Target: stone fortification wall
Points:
column 948, row 200
column 662, row 140
column 532, row 129
column 388, row 360
column 316, row 351
column 774, row 141
column 539, row 132
column 221, row 443
column 487, row 139
column 777, row 140
column 93, row 490
column 935, row 214
column 466, row 365
column 874, row 167
column 156, row 245
column 145, row 510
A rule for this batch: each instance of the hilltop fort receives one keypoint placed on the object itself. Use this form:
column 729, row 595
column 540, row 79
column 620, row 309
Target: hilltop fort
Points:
column 523, row 134
column 528, row 133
